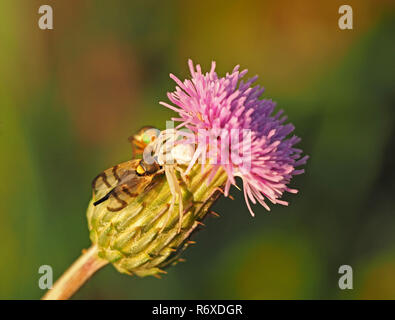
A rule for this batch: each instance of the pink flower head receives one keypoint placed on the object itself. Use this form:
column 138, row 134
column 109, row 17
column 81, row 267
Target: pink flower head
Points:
column 228, row 110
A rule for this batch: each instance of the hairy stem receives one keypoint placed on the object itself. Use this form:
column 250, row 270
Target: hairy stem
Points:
column 74, row 277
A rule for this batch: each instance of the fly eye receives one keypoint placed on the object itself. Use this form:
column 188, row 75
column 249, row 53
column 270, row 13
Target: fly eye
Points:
column 146, row 139
column 140, row 170
column 150, row 135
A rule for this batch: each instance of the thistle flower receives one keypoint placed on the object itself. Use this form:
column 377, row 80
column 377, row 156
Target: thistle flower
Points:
column 142, row 214
column 221, row 108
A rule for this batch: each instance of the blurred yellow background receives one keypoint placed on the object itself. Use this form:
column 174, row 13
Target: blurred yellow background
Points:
column 70, row 97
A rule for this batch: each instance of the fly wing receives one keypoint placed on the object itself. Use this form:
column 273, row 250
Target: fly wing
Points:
column 110, row 178
column 129, row 188
column 119, row 185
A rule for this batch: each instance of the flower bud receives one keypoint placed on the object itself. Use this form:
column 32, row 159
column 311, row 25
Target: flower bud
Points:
column 144, row 237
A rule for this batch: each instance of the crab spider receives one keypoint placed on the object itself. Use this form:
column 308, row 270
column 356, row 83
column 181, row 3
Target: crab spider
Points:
column 170, row 154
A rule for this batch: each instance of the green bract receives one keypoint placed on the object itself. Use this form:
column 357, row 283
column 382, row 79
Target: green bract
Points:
column 133, row 239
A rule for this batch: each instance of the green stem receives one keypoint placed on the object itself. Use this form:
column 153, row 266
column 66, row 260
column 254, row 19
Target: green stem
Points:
column 74, row 277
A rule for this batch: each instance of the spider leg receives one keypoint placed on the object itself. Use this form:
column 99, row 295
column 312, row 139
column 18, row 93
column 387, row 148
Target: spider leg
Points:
column 173, row 198
column 176, row 193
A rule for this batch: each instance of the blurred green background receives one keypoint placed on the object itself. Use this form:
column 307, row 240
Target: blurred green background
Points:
column 70, row 97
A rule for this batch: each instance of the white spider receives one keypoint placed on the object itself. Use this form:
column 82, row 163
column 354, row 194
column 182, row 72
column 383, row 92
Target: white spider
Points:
column 169, row 153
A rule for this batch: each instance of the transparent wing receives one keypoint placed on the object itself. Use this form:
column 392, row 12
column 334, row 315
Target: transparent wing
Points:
column 110, row 178
column 116, row 186
column 119, row 185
